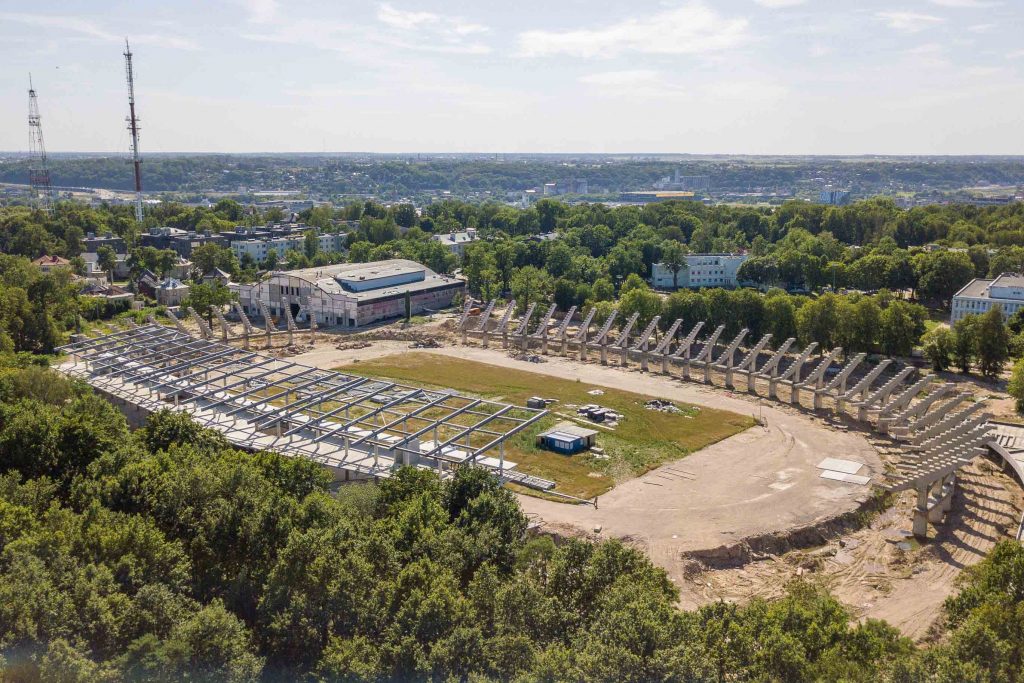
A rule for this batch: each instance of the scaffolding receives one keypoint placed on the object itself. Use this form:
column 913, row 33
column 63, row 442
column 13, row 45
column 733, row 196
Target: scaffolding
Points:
column 360, row 426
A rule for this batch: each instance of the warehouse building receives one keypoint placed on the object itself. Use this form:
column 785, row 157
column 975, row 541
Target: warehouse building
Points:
column 351, row 294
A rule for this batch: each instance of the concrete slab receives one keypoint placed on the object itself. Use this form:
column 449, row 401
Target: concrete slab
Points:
column 844, row 476
column 839, row 465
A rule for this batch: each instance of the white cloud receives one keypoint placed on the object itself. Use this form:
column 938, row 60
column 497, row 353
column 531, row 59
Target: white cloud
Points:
column 93, row 30
column 261, row 11
column 982, row 71
column 930, row 55
column 691, row 29
column 618, row 78
column 779, row 4
column 909, row 22
column 403, row 19
column 1016, row 54
column 981, row 28
column 963, row 3
column 449, row 31
column 378, row 44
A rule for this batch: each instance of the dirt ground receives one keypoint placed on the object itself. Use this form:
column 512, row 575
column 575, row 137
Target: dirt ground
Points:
column 760, row 481
column 878, row 571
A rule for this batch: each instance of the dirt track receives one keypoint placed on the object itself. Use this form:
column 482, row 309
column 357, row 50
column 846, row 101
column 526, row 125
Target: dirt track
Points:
column 762, row 480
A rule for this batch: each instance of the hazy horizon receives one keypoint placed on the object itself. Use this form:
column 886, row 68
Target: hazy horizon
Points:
column 758, row 77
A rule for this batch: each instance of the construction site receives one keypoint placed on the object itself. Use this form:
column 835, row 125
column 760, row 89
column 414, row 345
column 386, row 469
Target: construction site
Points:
column 735, row 464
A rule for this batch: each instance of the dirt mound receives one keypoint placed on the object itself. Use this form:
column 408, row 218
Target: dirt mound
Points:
column 762, row 546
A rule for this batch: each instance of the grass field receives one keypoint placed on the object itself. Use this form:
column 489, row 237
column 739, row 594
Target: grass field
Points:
column 643, row 439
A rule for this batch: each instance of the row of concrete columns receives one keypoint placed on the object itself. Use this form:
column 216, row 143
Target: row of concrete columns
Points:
column 689, row 353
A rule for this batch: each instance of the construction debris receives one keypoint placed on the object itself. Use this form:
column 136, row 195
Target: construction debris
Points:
column 596, row 413
column 663, row 406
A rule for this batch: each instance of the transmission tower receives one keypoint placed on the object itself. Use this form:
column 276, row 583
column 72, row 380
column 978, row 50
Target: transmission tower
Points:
column 38, row 172
column 133, row 128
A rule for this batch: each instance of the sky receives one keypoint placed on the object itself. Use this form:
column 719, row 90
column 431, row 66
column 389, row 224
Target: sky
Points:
column 694, row 76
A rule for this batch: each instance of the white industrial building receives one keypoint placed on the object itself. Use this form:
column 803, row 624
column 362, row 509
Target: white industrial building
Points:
column 456, row 242
column 702, row 270
column 351, row 294
column 979, row 296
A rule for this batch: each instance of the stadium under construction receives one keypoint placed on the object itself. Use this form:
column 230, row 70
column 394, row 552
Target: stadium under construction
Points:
column 359, row 427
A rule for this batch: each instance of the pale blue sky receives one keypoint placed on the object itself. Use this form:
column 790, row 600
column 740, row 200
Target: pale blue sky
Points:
column 709, row 76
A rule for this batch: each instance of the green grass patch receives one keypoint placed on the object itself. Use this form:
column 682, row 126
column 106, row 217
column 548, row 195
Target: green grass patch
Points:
column 643, row 440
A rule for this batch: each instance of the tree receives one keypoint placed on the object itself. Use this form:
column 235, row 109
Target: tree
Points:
column 1016, row 385
column 310, row 243
column 941, row 274
column 780, row 315
column 992, row 342
column 938, row 348
column 270, row 262
column 603, row 290
column 106, row 259
column 642, row 301
column 818, row 321
column 564, row 294
column 205, row 297
column 479, row 267
column 899, row 331
column 530, row 285
column 860, row 324
column 632, row 282
column 673, row 257
column 405, row 215
column 207, row 257
column 559, row 260
column 965, row 342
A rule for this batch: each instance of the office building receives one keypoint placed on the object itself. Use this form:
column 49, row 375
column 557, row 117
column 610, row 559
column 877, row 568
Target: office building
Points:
column 980, row 295
column 93, row 242
column 834, row 197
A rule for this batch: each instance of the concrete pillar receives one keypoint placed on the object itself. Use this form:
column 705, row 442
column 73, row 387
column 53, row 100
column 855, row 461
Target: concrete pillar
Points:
column 947, row 502
column 920, row 528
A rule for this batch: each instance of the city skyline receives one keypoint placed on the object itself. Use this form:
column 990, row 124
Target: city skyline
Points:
column 726, row 77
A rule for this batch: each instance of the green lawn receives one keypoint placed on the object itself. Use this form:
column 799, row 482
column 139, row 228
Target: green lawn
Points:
column 642, row 441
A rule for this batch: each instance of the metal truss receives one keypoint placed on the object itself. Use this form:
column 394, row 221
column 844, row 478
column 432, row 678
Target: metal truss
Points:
column 359, row 424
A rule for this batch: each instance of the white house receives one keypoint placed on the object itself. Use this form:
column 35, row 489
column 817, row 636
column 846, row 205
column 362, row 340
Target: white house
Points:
column 979, row 295
column 702, row 270
column 456, row 241
column 171, row 292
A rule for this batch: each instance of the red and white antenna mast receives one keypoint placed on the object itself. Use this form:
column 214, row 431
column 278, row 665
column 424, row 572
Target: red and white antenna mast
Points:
column 133, row 128
column 38, row 172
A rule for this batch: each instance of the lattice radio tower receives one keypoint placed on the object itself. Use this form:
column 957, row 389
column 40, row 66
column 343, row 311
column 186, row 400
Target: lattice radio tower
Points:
column 133, row 128
column 38, row 172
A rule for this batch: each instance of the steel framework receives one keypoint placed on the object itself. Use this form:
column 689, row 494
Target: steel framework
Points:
column 358, row 425
column 39, row 171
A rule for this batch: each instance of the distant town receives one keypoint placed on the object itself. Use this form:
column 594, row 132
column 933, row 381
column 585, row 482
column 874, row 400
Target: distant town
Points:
column 297, row 182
